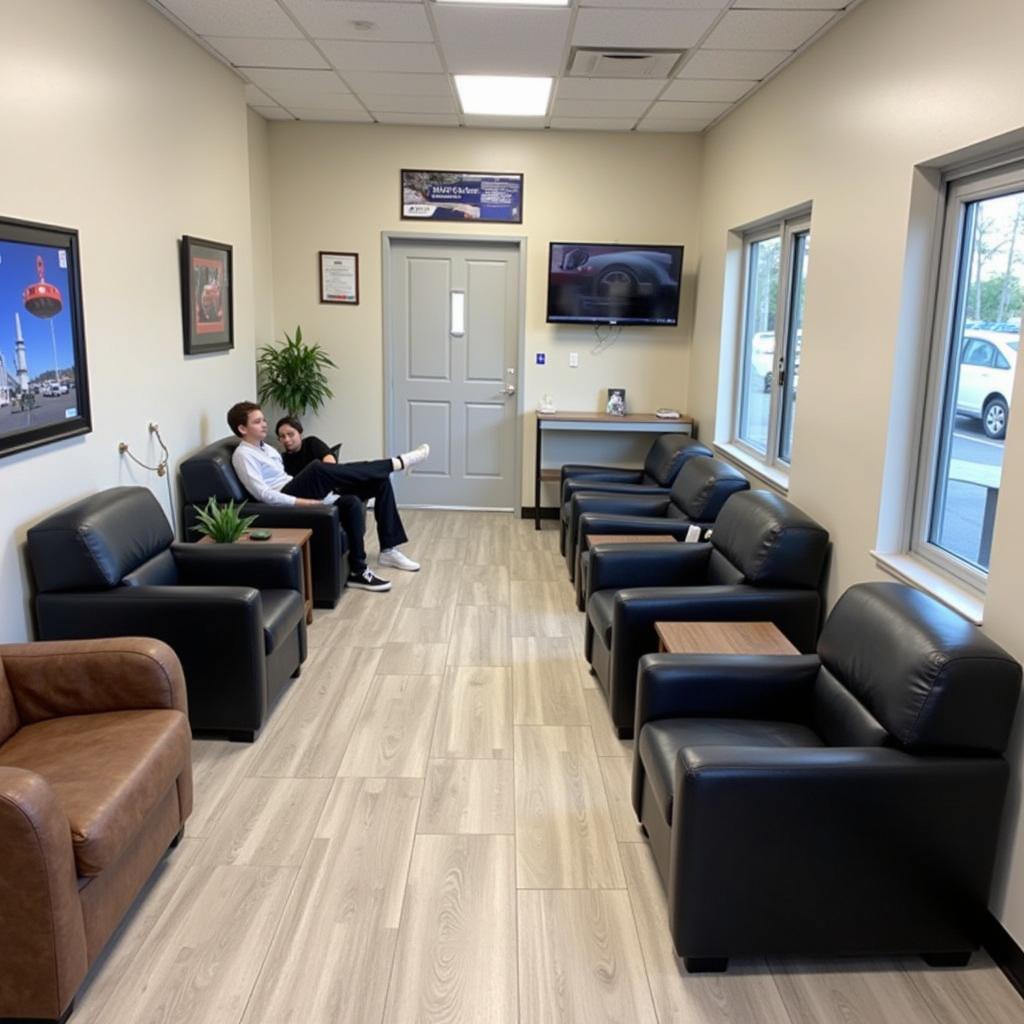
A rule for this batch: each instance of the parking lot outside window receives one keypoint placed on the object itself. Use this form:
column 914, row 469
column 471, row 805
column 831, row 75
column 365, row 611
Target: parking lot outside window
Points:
column 974, row 348
column 775, row 275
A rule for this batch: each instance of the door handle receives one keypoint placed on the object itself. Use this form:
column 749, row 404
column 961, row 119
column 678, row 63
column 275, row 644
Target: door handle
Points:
column 508, row 389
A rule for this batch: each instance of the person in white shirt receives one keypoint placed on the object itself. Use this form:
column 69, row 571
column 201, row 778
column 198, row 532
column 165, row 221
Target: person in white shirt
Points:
column 261, row 471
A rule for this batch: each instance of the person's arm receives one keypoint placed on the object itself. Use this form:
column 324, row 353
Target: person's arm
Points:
column 246, row 465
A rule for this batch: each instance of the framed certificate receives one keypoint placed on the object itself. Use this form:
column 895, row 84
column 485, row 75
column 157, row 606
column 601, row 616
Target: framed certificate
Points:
column 339, row 278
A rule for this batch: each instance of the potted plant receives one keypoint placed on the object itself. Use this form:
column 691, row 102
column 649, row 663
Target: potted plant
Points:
column 223, row 524
column 292, row 375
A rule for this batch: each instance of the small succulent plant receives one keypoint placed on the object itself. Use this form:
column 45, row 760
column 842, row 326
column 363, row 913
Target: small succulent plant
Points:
column 222, row 523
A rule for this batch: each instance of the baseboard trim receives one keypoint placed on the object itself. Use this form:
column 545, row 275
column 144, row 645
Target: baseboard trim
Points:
column 1008, row 956
column 526, row 512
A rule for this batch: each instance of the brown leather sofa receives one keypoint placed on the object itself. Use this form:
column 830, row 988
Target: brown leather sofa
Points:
column 95, row 785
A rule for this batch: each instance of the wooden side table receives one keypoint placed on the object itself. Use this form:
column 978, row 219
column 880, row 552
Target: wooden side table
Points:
column 722, row 638
column 296, row 538
column 630, row 538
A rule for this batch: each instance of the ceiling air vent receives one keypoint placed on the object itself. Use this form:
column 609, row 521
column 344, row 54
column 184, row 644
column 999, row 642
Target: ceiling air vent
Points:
column 614, row 63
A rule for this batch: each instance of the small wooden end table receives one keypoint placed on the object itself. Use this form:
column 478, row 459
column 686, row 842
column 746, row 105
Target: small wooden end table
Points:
column 630, row 538
column 296, row 538
column 722, row 638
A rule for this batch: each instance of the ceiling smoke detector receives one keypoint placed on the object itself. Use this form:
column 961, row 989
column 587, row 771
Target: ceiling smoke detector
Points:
column 615, row 63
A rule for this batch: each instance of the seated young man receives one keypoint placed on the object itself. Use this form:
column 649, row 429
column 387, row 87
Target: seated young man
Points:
column 262, row 473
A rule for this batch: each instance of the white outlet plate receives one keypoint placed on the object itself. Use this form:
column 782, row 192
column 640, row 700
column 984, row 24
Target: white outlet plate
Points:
column 574, row 359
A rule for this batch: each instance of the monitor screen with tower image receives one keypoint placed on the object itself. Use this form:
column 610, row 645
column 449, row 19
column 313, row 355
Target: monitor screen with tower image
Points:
column 44, row 392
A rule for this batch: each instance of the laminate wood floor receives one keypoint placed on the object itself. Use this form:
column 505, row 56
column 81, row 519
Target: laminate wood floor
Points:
column 435, row 826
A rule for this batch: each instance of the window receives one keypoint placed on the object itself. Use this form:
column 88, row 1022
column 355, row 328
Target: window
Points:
column 974, row 347
column 775, row 278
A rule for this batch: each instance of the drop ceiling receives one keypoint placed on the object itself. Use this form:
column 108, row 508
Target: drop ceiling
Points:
column 392, row 61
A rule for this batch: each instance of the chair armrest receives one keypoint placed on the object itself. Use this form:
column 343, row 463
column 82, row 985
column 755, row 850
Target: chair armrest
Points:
column 626, row 475
column 270, row 567
column 638, row 504
column 80, row 677
column 599, row 522
column 296, row 516
column 776, row 687
column 42, row 934
column 577, row 485
column 615, row 566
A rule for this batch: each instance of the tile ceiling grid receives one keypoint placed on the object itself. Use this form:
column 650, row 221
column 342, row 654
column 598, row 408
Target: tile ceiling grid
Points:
column 393, row 61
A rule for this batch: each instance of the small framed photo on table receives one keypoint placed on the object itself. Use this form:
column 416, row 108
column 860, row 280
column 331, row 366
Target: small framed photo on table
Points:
column 339, row 278
column 207, row 296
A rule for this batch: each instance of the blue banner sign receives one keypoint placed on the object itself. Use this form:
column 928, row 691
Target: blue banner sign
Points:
column 457, row 195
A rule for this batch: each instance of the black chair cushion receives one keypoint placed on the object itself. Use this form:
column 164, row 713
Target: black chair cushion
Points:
column 159, row 571
column 929, row 676
column 661, row 741
column 771, row 541
column 282, row 611
column 704, row 485
column 94, row 543
column 601, row 611
column 667, row 455
column 208, row 473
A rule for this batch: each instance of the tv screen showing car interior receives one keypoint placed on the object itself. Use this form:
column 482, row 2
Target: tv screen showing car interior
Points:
column 614, row 284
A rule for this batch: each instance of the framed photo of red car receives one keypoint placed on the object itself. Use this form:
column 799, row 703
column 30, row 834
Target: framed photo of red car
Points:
column 339, row 278
column 207, row 296
column 44, row 386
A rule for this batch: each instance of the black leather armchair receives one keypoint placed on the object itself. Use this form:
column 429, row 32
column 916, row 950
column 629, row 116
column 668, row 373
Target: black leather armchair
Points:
column 844, row 803
column 107, row 566
column 660, row 468
column 695, row 499
column 764, row 563
column 208, row 473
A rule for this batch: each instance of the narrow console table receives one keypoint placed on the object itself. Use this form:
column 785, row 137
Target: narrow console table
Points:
column 646, row 423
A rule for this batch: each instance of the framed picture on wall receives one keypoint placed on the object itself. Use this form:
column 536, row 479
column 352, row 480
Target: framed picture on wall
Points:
column 339, row 278
column 462, row 196
column 44, row 386
column 207, row 296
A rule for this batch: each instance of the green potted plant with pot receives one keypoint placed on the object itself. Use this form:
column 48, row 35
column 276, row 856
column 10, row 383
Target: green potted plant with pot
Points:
column 223, row 524
column 293, row 375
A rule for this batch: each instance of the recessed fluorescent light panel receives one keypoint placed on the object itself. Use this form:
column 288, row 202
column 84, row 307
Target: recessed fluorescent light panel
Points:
column 507, row 95
column 510, row 3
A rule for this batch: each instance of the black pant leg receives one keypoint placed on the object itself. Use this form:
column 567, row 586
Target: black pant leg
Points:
column 390, row 531
column 353, row 522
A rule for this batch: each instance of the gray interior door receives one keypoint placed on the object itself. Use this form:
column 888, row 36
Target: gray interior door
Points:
column 453, row 384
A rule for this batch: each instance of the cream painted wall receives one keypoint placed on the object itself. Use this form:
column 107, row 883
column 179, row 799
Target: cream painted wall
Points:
column 262, row 241
column 337, row 187
column 133, row 144
column 895, row 84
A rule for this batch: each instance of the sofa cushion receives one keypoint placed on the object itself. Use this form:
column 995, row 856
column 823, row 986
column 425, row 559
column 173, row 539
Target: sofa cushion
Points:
column 703, row 486
column 661, row 741
column 108, row 772
column 8, row 712
column 282, row 610
column 601, row 611
column 667, row 455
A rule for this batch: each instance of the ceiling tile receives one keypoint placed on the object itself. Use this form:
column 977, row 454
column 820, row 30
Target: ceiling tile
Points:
column 357, row 116
column 273, row 80
column 487, row 121
column 675, row 5
column 711, row 89
column 692, row 111
column 594, row 124
column 267, row 53
column 256, row 97
column 600, row 108
column 409, row 104
column 249, row 19
column 395, row 22
column 609, row 88
column 273, row 113
column 640, row 27
column 355, row 56
column 649, row 124
column 796, row 5
column 501, row 41
column 316, row 101
column 440, row 120
column 385, row 83
column 744, row 64
column 766, row 30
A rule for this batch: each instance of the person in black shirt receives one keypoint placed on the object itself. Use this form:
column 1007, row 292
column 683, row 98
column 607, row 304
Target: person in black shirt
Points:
column 298, row 452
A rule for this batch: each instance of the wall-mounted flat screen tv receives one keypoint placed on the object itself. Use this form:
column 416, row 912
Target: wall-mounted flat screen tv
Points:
column 614, row 284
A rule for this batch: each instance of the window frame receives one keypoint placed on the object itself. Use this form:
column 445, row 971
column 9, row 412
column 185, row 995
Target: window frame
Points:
column 788, row 229
column 959, row 189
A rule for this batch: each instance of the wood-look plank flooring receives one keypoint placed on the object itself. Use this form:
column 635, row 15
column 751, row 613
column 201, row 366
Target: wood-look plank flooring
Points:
column 435, row 826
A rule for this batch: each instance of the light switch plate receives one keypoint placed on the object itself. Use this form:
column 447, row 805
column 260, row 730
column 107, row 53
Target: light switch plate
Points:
column 574, row 359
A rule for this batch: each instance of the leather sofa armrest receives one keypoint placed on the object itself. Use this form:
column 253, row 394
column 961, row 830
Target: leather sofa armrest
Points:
column 615, row 566
column 599, row 522
column 577, row 485
column 42, row 934
column 274, row 567
column 776, row 687
column 51, row 679
column 580, row 469
column 636, row 504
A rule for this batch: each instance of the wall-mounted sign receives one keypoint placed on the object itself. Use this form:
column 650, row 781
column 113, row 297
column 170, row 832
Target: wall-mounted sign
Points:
column 339, row 277
column 462, row 196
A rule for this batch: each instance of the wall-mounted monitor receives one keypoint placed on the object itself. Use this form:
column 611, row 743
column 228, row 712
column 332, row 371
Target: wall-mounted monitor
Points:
column 614, row 284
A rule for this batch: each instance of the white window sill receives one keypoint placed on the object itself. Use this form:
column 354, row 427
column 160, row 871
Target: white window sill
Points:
column 771, row 475
column 917, row 572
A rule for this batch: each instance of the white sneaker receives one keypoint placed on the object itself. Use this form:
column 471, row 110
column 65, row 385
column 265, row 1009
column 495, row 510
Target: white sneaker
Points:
column 394, row 559
column 418, row 454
